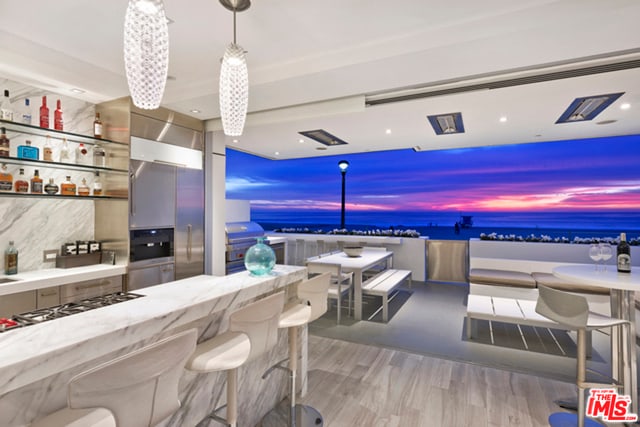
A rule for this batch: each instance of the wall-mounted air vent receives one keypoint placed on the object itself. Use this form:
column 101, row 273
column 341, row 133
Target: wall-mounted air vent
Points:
column 586, row 108
column 447, row 124
column 323, row 137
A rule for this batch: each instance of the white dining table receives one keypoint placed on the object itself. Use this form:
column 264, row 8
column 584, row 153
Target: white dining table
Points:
column 357, row 265
column 622, row 287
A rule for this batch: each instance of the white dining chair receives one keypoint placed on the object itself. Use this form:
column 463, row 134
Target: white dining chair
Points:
column 341, row 284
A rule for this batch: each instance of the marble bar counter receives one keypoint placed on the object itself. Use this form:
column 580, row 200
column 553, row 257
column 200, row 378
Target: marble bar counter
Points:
column 50, row 277
column 36, row 362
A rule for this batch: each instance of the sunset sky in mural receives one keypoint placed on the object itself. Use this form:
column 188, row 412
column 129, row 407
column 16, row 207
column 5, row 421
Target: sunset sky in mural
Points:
column 581, row 175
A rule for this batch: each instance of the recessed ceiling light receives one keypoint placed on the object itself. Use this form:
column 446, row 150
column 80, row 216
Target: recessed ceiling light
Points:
column 195, row 111
column 388, row 131
column 235, row 141
column 301, row 141
column 277, row 153
column 76, row 90
column 503, row 119
column 625, row 106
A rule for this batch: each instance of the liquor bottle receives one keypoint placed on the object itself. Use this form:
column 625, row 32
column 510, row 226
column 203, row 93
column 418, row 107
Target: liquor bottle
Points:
column 28, row 152
column 83, row 189
column 25, row 114
column 97, row 126
column 11, row 259
column 36, row 183
column 4, row 143
column 65, row 152
column 68, row 188
column 51, row 187
column 57, row 117
column 44, row 114
column 6, row 179
column 21, row 184
column 82, row 155
column 99, row 156
column 624, row 255
column 6, row 112
column 97, row 185
column 47, row 150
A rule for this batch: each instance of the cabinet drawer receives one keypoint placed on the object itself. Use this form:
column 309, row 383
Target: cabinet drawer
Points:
column 17, row 303
column 90, row 288
column 48, row 297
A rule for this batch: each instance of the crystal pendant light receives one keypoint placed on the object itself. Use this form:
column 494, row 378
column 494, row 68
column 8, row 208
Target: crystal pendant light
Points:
column 146, row 52
column 234, row 79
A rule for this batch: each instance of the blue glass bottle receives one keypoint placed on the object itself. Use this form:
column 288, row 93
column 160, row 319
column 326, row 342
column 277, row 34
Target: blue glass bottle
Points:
column 28, row 152
column 260, row 258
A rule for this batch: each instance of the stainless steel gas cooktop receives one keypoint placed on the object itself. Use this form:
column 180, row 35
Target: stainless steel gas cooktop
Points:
column 44, row 314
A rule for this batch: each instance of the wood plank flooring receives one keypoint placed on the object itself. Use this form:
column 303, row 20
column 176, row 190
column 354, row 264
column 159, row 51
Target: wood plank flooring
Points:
column 362, row 385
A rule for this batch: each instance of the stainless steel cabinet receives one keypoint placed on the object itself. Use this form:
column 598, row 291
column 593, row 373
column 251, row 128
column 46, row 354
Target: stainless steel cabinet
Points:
column 48, row 297
column 90, row 288
column 150, row 272
column 152, row 195
column 17, row 303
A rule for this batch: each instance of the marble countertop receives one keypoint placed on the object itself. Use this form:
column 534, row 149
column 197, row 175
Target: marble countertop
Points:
column 35, row 352
column 50, row 277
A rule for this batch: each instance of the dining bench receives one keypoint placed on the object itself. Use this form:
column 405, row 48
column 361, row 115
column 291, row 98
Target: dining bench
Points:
column 383, row 284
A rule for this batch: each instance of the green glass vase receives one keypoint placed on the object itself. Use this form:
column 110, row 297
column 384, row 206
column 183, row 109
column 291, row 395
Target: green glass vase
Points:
column 260, row 258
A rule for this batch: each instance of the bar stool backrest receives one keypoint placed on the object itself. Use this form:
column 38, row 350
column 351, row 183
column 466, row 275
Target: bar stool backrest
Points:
column 563, row 307
column 315, row 292
column 259, row 320
column 140, row 388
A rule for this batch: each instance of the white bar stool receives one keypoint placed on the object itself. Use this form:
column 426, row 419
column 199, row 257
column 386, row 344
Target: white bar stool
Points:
column 571, row 310
column 313, row 294
column 253, row 331
column 139, row 389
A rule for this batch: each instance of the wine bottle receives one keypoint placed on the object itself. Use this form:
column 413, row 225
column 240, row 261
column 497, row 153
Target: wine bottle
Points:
column 44, row 114
column 97, row 126
column 624, row 255
column 57, row 117
column 6, row 111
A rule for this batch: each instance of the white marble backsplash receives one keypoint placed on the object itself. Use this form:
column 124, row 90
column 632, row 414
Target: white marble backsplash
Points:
column 36, row 224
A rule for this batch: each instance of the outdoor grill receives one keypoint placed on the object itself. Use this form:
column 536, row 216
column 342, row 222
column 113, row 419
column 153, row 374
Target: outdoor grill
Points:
column 240, row 236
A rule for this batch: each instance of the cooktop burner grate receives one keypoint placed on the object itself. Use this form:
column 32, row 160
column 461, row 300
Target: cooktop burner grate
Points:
column 63, row 310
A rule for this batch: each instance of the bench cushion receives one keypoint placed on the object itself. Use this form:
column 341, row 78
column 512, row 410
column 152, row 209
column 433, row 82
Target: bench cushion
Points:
column 551, row 281
column 487, row 276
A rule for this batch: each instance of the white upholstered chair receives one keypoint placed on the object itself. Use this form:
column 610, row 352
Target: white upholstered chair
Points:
column 139, row 389
column 253, row 331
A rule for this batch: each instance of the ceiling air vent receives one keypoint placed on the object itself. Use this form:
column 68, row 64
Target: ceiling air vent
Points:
column 582, row 109
column 446, row 124
column 323, row 137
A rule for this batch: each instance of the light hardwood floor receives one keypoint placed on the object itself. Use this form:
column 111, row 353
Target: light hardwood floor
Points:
column 362, row 385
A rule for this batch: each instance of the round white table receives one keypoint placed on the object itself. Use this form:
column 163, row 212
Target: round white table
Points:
column 622, row 286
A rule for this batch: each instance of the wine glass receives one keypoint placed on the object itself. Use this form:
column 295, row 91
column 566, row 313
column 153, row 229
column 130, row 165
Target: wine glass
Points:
column 606, row 253
column 595, row 254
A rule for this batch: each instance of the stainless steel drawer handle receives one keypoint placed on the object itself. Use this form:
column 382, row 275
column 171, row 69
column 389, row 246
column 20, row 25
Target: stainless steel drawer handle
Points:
column 48, row 294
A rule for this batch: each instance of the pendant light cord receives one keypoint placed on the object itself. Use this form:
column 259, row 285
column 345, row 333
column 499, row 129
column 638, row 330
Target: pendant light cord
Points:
column 234, row 26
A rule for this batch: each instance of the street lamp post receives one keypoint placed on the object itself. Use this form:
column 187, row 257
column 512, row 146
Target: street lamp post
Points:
column 343, row 165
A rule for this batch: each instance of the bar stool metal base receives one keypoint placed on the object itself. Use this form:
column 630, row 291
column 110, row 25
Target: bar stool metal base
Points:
column 566, row 419
column 305, row 416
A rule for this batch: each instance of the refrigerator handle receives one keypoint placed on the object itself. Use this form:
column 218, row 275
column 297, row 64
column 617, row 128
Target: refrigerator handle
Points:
column 132, row 184
column 189, row 241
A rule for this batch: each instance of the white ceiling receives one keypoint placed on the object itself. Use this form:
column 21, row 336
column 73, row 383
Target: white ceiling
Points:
column 313, row 65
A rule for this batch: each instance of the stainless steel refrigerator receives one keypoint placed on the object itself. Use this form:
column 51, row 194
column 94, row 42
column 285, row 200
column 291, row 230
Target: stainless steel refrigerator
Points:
column 167, row 189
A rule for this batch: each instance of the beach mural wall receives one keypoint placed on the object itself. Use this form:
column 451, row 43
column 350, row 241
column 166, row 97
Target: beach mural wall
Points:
column 587, row 184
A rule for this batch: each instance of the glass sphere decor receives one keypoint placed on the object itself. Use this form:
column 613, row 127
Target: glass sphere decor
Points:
column 260, row 258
